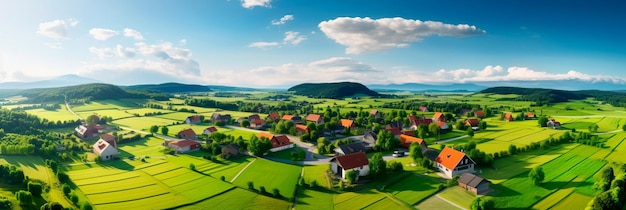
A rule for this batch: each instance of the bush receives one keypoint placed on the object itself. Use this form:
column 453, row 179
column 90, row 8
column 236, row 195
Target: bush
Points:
column 250, row 185
column 192, row 167
column 223, row 178
column 35, row 189
column 74, row 198
column 51, row 206
column 5, row 203
column 314, row 184
column 262, row 190
column 276, row 193
column 24, row 197
column 66, row 189
column 86, row 206
column 453, row 182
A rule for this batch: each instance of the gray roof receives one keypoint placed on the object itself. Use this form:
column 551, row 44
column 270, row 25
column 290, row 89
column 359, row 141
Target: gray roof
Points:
column 472, row 180
column 352, row 148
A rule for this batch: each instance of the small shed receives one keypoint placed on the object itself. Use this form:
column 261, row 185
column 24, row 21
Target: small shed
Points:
column 473, row 183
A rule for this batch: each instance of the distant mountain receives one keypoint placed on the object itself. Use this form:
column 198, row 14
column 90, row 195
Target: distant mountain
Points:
column 332, row 90
column 229, row 88
column 170, row 88
column 96, row 91
column 429, row 88
column 573, row 84
column 60, row 81
column 546, row 96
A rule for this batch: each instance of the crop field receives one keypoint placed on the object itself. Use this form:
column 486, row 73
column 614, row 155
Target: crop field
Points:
column 113, row 113
column 227, row 168
column 435, row 202
column 57, row 115
column 414, row 188
column 199, row 110
column 573, row 201
column 257, row 172
column 459, row 196
column 316, row 172
column 357, row 200
column 314, row 200
column 143, row 111
column 385, row 203
column 240, row 199
column 33, row 166
column 143, row 123
column 101, row 105
column 145, row 147
column 179, row 116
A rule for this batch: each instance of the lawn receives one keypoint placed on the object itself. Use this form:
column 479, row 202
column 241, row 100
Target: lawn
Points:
column 179, row 116
column 357, row 200
column 459, row 196
column 435, row 202
column 384, row 203
column 284, row 178
column 314, row 200
column 143, row 111
column 143, row 123
column 240, row 199
column 227, row 168
column 573, row 201
column 57, row 115
column 104, row 104
column 113, row 113
column 414, row 188
column 316, row 172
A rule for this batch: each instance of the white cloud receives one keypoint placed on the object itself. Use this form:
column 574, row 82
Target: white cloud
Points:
column 182, row 42
column 102, row 53
column 255, row 3
column 362, row 35
column 133, row 33
column 294, row 38
column 282, row 20
column 263, row 44
column 56, row 29
column 102, row 33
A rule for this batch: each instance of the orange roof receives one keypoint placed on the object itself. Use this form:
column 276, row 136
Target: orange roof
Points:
column 438, row 115
column 479, row 113
column 273, row 115
column 530, row 114
column 449, row 158
column 279, row 141
column 287, row 117
column 353, row 160
column 187, row 132
column 407, row 140
column 313, row 117
column 441, row 124
column 508, row 116
column 374, row 112
column 266, row 135
column 302, row 128
column 346, row 123
column 184, row 143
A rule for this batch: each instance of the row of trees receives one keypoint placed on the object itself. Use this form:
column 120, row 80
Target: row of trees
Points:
column 611, row 185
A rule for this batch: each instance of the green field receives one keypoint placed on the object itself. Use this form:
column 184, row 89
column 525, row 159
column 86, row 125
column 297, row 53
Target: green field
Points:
column 240, row 199
column 357, row 200
column 113, row 113
column 143, row 123
column 57, row 115
column 414, row 188
column 316, row 172
column 459, row 196
column 314, row 200
column 285, row 179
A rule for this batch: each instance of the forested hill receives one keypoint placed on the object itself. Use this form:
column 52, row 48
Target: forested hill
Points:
column 170, row 88
column 332, row 90
column 543, row 96
column 94, row 91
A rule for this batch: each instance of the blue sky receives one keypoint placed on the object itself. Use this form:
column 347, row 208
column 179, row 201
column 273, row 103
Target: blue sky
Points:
column 258, row 43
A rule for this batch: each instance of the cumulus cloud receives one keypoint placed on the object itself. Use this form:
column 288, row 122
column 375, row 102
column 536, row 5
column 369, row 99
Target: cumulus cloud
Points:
column 102, row 33
column 363, row 35
column 133, row 33
column 282, row 20
column 249, row 4
column 56, row 29
column 263, row 44
column 294, row 38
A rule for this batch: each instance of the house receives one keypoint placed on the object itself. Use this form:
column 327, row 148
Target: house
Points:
column 349, row 124
column 279, row 143
column 355, row 161
column 442, row 125
column 508, row 117
column 229, row 151
column 350, row 148
column 376, row 113
column 301, row 129
column 111, row 139
column 439, row 117
column 254, row 117
column 257, row 123
column 187, row 134
column 241, row 119
column 553, row 124
column 529, row 115
column 273, row 116
column 194, row 119
column 105, row 150
column 415, row 121
column 316, row 118
column 452, row 162
column 209, row 130
column 370, row 137
column 293, row 118
column 464, row 112
column 217, row 117
column 406, row 141
column 423, row 109
column 479, row 114
column 87, row 131
column 473, row 123
column 395, row 131
column 183, row 145
column 473, row 183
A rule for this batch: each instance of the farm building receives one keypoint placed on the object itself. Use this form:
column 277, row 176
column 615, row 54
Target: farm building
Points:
column 86, row 131
column 452, row 162
column 273, row 116
column 254, row 117
column 479, row 114
column 184, row 145
column 415, row 121
column 104, row 149
column 217, row 117
column 315, row 118
column 473, row 183
column 229, row 151
column 439, row 117
column 279, row 143
column 508, row 117
column 257, row 123
column 293, row 118
column 193, row 119
column 406, row 140
column 355, row 161
column 473, row 123
column 442, row 125
column 301, row 129
column 553, row 124
column 350, row 148
column 395, row 131
column 376, row 113
column 423, row 109
column 529, row 115
column 210, row 130
column 187, row 134
column 347, row 123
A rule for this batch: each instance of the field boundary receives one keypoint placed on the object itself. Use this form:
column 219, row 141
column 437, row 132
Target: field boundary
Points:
column 242, row 170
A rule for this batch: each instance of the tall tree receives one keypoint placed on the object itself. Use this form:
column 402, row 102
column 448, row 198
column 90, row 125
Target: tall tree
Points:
column 154, row 129
column 536, row 175
column 164, row 130
column 378, row 166
column 415, row 152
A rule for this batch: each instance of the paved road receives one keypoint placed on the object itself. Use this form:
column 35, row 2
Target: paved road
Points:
column 67, row 106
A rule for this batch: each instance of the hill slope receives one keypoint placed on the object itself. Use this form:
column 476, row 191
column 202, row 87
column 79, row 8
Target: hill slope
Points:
column 170, row 88
column 60, row 81
column 96, row 91
column 543, row 96
column 332, row 90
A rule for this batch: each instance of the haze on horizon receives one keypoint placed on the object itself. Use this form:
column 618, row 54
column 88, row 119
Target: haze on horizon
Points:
column 260, row 43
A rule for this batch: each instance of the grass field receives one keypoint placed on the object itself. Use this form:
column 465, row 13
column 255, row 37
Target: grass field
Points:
column 57, row 115
column 240, row 199
column 459, row 196
column 179, row 116
column 143, row 111
column 314, row 200
column 143, row 123
column 357, row 200
column 316, row 173
column 435, row 202
column 113, row 113
column 285, row 179
column 414, row 188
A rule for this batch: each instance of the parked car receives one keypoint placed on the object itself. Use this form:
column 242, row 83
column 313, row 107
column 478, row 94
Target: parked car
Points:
column 398, row 153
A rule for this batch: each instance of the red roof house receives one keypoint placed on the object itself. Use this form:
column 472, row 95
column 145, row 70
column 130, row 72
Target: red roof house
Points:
column 316, row 118
column 111, row 139
column 340, row 165
column 415, row 121
column 257, row 123
column 194, row 119
column 530, row 115
column 508, row 117
column 472, row 122
column 406, row 140
column 210, row 130
column 87, row 131
column 273, row 116
column 279, row 143
column 423, row 109
column 395, row 131
column 439, row 117
column 187, row 134
column 452, row 162
column 479, row 114
column 347, row 123
column 301, row 129
column 183, row 145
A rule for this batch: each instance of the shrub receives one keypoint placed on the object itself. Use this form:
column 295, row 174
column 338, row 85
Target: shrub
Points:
column 51, row 206
column 192, row 167
column 250, row 185
column 5, row 203
column 74, row 198
column 262, row 190
column 86, row 206
column 276, row 193
column 24, row 197
column 223, row 178
column 35, row 189
column 66, row 189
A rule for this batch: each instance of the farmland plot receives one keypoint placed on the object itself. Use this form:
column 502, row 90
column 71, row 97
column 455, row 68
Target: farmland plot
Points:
column 143, row 123
column 258, row 172
column 240, row 199
column 357, row 200
column 414, row 188
column 57, row 115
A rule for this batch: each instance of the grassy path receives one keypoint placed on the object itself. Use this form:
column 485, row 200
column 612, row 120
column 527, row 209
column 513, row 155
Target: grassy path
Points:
column 242, row 170
column 450, row 202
